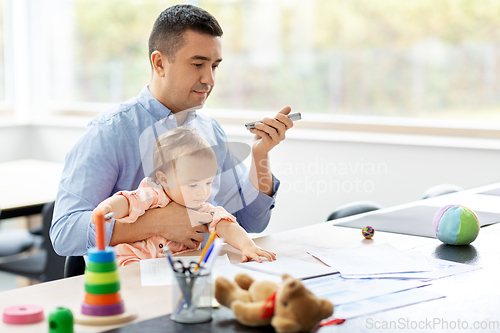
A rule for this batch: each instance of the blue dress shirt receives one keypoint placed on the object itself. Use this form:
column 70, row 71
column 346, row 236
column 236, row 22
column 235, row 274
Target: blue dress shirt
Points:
column 115, row 154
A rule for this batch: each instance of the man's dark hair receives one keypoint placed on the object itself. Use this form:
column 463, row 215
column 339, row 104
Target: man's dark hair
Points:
column 169, row 27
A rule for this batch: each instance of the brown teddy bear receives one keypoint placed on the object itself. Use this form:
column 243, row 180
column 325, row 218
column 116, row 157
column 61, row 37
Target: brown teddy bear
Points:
column 288, row 306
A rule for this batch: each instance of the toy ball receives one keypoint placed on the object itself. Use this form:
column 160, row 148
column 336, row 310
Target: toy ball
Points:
column 456, row 225
column 368, row 232
column 61, row 321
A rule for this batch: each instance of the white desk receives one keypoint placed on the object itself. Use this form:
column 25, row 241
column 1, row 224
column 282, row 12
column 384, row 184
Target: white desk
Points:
column 26, row 185
column 471, row 296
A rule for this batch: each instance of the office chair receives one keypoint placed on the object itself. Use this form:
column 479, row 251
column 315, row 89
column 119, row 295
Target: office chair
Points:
column 353, row 208
column 41, row 263
column 19, row 240
column 441, row 189
column 74, row 266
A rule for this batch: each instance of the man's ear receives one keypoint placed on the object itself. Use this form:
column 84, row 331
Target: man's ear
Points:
column 159, row 61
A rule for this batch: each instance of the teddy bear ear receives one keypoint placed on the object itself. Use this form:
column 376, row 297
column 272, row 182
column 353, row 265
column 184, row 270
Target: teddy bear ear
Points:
column 285, row 276
column 326, row 308
column 282, row 324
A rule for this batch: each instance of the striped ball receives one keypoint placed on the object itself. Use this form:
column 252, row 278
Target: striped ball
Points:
column 368, row 232
column 456, row 225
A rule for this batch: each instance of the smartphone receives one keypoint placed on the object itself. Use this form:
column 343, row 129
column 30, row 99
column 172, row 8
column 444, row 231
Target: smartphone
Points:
column 292, row 116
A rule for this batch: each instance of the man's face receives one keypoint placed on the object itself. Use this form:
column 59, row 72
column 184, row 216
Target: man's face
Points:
column 190, row 78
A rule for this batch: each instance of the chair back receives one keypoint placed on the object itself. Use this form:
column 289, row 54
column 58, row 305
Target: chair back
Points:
column 54, row 268
column 43, row 263
column 74, row 266
column 353, row 208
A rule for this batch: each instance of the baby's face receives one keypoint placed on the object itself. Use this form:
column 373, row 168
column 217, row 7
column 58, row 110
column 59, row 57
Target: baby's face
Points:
column 192, row 186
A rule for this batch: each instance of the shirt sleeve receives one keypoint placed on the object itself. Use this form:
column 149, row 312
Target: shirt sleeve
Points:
column 237, row 194
column 256, row 215
column 82, row 187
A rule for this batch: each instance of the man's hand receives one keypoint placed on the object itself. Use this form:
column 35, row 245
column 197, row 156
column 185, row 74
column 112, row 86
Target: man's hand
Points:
column 184, row 225
column 270, row 132
column 174, row 222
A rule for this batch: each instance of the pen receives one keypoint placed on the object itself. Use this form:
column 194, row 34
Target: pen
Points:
column 169, row 255
column 207, row 255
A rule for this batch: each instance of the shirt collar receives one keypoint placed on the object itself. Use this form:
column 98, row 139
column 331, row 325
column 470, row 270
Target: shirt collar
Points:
column 157, row 109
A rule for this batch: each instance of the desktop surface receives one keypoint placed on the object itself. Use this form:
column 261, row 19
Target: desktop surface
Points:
column 471, row 297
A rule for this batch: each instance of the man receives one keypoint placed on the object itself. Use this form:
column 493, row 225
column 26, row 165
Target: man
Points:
column 113, row 154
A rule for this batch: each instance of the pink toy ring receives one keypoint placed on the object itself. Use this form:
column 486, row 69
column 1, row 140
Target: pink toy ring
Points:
column 23, row 314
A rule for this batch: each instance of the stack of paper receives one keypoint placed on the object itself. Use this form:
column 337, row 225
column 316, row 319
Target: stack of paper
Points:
column 385, row 261
column 340, row 291
column 384, row 303
column 371, row 260
column 358, row 297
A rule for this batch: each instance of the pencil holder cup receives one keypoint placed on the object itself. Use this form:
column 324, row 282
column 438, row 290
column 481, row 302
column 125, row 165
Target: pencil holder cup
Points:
column 192, row 298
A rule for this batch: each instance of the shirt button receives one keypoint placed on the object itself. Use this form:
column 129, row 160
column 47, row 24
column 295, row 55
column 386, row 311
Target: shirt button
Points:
column 171, row 116
column 161, row 121
column 161, row 246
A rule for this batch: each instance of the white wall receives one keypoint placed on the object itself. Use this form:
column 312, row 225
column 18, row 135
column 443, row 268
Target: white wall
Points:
column 318, row 175
column 14, row 142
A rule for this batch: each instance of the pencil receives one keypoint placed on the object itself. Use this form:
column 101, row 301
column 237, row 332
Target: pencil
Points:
column 205, row 249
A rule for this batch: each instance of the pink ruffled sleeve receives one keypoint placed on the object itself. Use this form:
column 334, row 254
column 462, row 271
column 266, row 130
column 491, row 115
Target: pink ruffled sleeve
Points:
column 219, row 213
column 148, row 195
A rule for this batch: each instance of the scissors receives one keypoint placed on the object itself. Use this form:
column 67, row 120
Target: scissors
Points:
column 178, row 267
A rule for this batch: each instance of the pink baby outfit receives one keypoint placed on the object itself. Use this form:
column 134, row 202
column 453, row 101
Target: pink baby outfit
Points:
column 150, row 195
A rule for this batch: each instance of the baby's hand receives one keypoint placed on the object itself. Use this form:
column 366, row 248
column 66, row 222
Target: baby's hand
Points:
column 104, row 208
column 254, row 252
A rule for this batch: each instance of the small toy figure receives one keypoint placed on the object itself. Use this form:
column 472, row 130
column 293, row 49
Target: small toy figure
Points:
column 456, row 225
column 368, row 232
column 103, row 304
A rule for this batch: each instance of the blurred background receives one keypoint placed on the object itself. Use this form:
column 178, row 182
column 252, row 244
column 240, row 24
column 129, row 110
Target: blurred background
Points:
column 387, row 58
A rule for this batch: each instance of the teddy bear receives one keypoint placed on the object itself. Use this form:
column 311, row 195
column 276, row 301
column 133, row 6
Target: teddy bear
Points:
column 287, row 306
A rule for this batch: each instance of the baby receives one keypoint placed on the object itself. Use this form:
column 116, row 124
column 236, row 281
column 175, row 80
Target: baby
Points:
column 185, row 167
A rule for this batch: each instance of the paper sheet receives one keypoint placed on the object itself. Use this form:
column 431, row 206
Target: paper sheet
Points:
column 440, row 268
column 377, row 259
column 299, row 269
column 230, row 271
column 383, row 303
column 158, row 272
column 341, row 291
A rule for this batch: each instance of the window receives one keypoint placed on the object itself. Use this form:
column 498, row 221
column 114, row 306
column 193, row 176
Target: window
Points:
column 386, row 58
